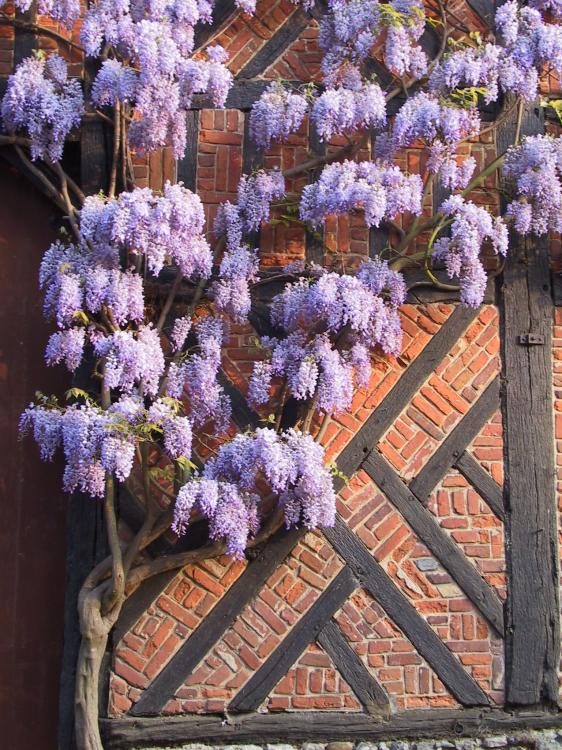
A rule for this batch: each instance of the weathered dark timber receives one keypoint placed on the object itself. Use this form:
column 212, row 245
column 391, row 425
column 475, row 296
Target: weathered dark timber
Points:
column 488, row 489
column 252, row 159
column 25, row 40
column 258, row 687
column 314, row 239
column 556, row 282
column 368, row 690
column 427, row 294
column 242, row 95
column 242, row 413
column 319, row 726
column 453, row 445
column 533, row 611
column 374, row 578
column 187, row 167
column 86, row 538
column 86, row 545
column 222, row 10
column 486, row 9
column 426, row 527
column 216, row 623
column 274, row 47
column 383, row 416
column 94, row 166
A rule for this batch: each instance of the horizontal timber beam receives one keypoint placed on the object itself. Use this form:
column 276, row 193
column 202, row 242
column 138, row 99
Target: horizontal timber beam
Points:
column 122, row 734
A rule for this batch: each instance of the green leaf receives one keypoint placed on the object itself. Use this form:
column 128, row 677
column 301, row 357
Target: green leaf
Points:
column 336, row 473
column 78, row 393
column 556, row 105
column 186, row 464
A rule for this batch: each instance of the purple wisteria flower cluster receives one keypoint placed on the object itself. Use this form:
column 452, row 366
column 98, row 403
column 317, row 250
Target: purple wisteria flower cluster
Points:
column 527, row 45
column 196, row 376
column 158, row 227
column 379, row 190
column 239, row 265
column 471, row 225
column 342, row 110
column 44, row 104
column 351, row 29
column 159, row 370
column 442, row 128
column 229, row 495
column 150, row 67
column 536, row 168
column 95, row 441
column 277, row 113
column 331, row 325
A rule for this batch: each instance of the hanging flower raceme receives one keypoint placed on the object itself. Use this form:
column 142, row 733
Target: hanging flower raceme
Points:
column 239, row 265
column 441, row 127
column 276, row 114
column 331, row 324
column 196, row 376
column 528, row 44
column 379, row 190
column 341, row 110
column 43, row 103
column 229, row 493
column 155, row 226
column 471, row 225
column 351, row 29
column 536, row 169
column 96, row 442
column 132, row 359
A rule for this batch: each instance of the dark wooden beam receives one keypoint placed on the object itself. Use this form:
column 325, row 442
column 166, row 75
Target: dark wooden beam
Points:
column 428, row 644
column 274, row 47
column 455, row 443
column 215, row 624
column 485, row 9
column 426, row 527
column 368, row 690
column 25, row 40
column 242, row 413
column 222, row 10
column 262, row 682
column 242, row 95
column 488, row 489
column 187, row 167
column 413, row 378
column 326, row 726
column 533, row 609
column 314, row 238
column 428, row 294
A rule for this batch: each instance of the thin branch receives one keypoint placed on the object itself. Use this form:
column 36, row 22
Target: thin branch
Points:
column 117, row 588
column 51, row 190
column 116, row 144
column 71, row 210
column 169, row 301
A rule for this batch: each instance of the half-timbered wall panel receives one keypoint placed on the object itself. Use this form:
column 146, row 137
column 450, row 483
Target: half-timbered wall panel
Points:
column 401, row 606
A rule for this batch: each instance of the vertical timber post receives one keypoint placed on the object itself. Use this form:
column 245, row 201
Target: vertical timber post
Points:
column 532, row 639
column 86, row 541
